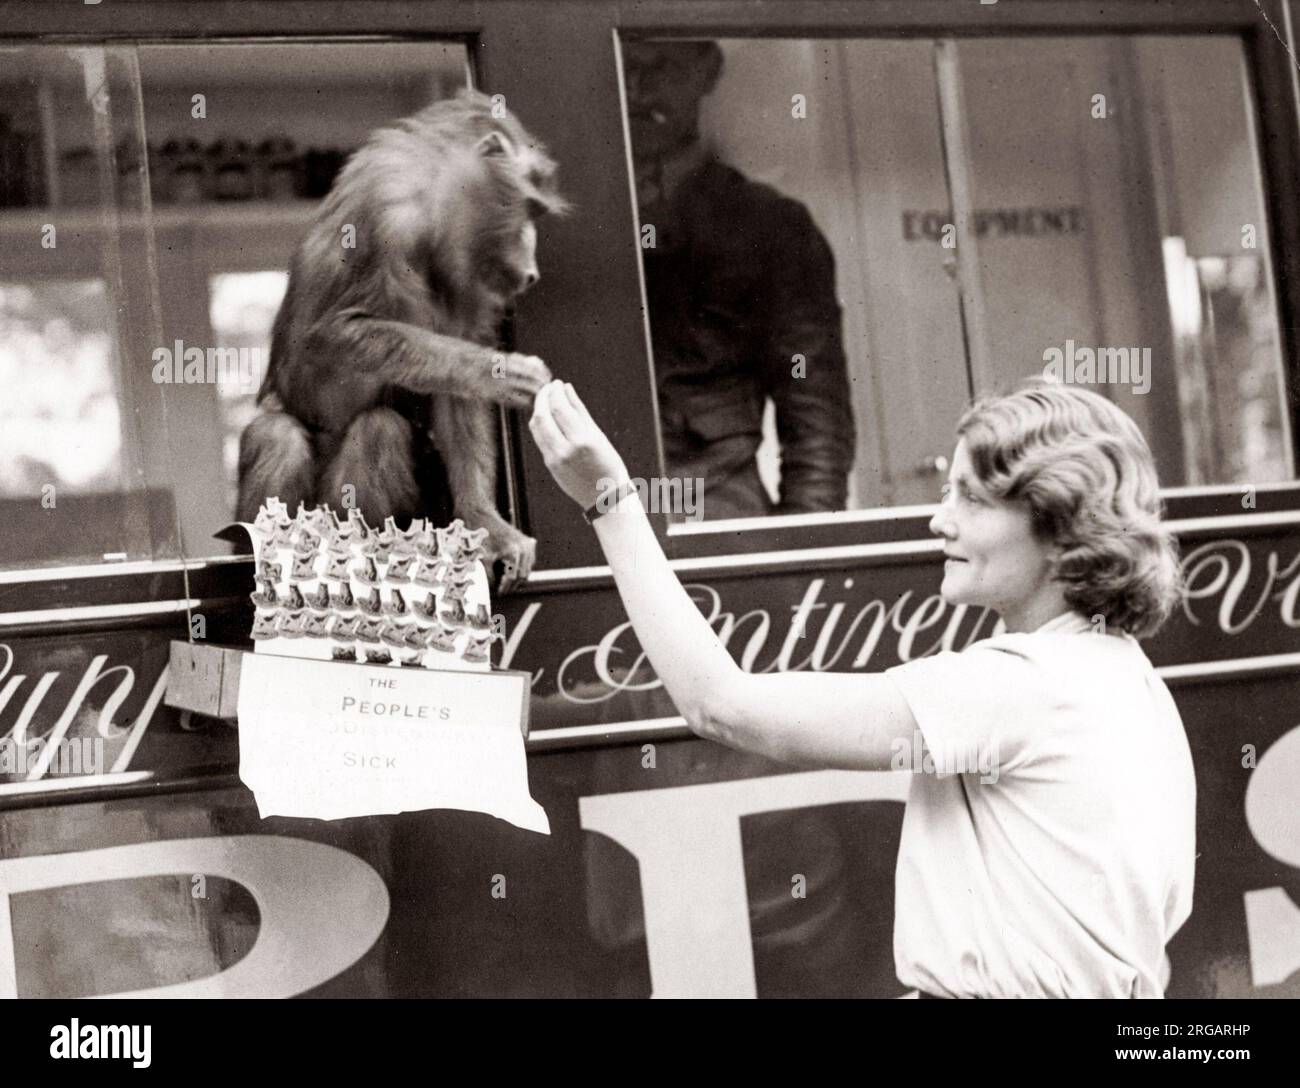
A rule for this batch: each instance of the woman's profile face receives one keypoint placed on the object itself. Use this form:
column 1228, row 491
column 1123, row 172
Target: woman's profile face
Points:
column 994, row 559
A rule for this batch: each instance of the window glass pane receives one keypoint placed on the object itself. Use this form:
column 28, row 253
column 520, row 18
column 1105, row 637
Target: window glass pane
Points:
column 806, row 339
column 1108, row 167
column 66, row 430
column 84, row 471
column 801, row 274
column 237, row 177
column 242, row 309
column 151, row 198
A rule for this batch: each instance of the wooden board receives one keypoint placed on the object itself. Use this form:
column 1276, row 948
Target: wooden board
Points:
column 204, row 678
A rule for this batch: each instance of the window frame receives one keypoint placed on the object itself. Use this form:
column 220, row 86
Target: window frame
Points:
column 557, row 59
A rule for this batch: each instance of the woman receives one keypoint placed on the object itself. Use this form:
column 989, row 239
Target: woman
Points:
column 1048, row 843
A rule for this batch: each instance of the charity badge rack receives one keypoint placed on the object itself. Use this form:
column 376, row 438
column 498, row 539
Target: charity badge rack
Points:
column 336, row 589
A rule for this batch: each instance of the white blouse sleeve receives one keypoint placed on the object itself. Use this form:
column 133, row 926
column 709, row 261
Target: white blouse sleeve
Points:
column 986, row 703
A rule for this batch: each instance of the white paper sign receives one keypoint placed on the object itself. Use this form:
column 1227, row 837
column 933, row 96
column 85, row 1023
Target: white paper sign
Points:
column 329, row 740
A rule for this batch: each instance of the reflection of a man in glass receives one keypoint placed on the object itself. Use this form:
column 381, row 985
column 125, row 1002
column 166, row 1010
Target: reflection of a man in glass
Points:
column 741, row 291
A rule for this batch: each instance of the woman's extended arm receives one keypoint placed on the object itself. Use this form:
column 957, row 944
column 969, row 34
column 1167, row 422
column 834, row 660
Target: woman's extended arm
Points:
column 843, row 720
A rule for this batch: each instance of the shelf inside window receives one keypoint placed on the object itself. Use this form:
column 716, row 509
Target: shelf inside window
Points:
column 223, row 215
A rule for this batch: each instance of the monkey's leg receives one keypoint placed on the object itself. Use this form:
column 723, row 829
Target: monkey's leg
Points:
column 428, row 362
column 275, row 460
column 465, row 434
column 372, row 468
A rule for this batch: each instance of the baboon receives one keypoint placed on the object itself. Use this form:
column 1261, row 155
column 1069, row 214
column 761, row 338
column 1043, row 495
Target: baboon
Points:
column 384, row 355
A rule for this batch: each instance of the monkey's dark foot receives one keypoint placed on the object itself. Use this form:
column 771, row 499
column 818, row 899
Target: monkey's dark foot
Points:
column 516, row 551
column 275, row 461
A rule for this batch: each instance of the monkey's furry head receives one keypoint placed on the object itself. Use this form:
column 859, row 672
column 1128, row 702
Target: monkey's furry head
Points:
column 452, row 192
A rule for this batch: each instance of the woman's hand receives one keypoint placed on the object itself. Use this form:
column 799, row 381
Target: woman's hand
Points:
column 583, row 461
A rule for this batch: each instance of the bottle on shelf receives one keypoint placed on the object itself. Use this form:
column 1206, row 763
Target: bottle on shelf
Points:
column 231, row 170
column 181, row 177
column 320, row 167
column 278, row 169
column 13, row 166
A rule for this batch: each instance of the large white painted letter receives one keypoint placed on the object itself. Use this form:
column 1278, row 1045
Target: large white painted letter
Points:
column 687, row 841
column 1273, row 816
column 321, row 907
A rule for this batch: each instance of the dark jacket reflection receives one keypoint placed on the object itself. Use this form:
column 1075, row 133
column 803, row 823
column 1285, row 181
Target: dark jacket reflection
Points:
column 741, row 288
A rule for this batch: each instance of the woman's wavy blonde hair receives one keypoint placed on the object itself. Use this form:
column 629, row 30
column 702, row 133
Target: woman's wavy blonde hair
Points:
column 1088, row 476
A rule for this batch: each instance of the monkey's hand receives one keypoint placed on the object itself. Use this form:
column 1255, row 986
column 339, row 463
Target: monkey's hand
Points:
column 516, row 379
column 516, row 551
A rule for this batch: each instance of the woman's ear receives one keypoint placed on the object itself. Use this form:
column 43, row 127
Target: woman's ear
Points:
column 1055, row 555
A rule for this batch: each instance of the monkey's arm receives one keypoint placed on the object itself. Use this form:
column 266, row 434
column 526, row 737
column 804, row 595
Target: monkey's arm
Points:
column 402, row 354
